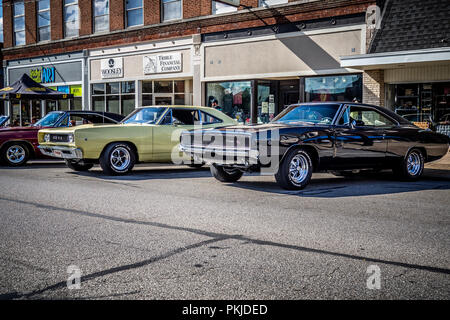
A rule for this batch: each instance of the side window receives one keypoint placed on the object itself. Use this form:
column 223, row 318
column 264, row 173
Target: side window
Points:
column 345, row 117
column 368, row 117
column 209, row 119
column 167, row 118
column 64, row 122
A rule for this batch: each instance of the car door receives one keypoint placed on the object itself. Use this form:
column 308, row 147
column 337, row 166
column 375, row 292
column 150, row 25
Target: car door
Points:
column 166, row 135
column 360, row 138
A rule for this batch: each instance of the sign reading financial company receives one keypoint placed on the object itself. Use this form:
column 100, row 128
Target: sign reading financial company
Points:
column 163, row 63
column 112, row 68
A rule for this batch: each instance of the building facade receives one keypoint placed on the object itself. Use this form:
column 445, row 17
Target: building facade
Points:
column 250, row 62
column 407, row 66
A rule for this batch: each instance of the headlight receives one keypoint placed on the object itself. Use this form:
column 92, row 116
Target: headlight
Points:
column 46, row 137
column 70, row 138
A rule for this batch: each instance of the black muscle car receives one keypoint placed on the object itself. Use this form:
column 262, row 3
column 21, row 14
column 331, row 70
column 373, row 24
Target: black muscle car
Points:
column 343, row 138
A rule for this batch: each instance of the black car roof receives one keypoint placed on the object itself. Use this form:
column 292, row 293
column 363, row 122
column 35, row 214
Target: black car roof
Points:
column 114, row 116
column 390, row 113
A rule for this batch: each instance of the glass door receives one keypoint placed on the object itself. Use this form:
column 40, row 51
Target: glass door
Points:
column 162, row 100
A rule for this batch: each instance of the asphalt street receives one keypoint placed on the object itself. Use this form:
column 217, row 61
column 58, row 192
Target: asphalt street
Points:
column 168, row 232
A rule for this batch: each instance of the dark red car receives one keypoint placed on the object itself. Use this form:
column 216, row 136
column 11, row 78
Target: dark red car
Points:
column 19, row 144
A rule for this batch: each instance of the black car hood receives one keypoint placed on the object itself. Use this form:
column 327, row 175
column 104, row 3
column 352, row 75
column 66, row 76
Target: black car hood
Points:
column 267, row 127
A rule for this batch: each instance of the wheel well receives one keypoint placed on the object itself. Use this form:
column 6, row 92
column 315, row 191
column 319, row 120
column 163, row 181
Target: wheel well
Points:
column 131, row 144
column 421, row 149
column 27, row 145
column 311, row 151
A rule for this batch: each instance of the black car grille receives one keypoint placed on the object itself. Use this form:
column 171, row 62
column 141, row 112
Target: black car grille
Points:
column 59, row 138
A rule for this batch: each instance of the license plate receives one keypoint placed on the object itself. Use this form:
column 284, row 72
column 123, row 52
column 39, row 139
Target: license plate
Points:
column 57, row 153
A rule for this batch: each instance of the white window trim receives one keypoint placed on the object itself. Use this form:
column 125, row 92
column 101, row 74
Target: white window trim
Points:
column 78, row 17
column 174, row 19
column 103, row 15
column 135, row 8
column 46, row 26
column 260, row 3
column 14, row 22
column 228, row 11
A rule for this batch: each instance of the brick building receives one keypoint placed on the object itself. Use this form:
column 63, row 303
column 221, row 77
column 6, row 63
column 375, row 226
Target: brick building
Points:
column 252, row 61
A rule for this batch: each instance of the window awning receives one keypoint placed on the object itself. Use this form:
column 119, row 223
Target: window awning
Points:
column 391, row 60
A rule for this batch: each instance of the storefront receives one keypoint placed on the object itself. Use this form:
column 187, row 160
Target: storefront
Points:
column 414, row 84
column 124, row 78
column 59, row 72
column 254, row 79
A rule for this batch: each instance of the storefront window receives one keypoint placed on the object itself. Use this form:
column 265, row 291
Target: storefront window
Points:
column 232, row 98
column 424, row 104
column 165, row 93
column 334, row 88
column 116, row 97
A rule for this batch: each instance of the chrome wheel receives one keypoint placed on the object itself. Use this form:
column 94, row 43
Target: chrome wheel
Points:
column 298, row 169
column 120, row 159
column 414, row 164
column 15, row 154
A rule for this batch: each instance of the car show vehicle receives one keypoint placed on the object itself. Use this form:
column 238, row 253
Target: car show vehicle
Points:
column 343, row 138
column 3, row 120
column 148, row 134
column 19, row 144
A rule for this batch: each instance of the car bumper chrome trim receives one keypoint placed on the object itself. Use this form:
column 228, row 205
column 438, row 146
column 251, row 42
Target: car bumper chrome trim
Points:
column 61, row 152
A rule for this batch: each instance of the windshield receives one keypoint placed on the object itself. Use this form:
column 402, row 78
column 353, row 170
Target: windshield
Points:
column 312, row 114
column 49, row 120
column 145, row 115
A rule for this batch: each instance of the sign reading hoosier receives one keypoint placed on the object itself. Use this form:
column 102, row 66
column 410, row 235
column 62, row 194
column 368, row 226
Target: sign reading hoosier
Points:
column 112, row 68
column 163, row 63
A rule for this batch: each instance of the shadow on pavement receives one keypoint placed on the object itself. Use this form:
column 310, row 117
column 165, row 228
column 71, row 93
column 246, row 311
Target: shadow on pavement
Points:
column 360, row 185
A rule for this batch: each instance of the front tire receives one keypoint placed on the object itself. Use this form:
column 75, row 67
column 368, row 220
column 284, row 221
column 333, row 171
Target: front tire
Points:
column 15, row 154
column 77, row 166
column 117, row 159
column 411, row 167
column 295, row 170
column 225, row 175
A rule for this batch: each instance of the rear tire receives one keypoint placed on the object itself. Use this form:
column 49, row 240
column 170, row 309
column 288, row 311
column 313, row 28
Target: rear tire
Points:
column 411, row 167
column 295, row 170
column 225, row 175
column 15, row 154
column 117, row 159
column 76, row 166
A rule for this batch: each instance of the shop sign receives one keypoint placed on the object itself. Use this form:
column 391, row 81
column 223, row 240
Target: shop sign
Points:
column 43, row 74
column 64, row 89
column 163, row 63
column 76, row 91
column 112, row 68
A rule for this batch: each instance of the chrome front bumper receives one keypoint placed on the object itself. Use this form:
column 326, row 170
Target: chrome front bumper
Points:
column 220, row 156
column 61, row 152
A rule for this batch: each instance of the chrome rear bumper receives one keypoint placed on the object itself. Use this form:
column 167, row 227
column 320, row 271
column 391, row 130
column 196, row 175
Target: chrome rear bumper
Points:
column 61, row 152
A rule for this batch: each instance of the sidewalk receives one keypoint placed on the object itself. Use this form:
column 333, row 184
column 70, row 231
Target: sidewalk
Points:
column 441, row 164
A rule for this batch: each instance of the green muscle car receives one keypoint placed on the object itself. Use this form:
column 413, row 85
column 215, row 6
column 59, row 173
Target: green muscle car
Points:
column 149, row 134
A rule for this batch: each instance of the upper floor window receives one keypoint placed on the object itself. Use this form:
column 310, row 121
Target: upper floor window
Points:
column 171, row 10
column 19, row 23
column 219, row 7
column 101, row 15
column 266, row 3
column 71, row 18
column 43, row 20
column 134, row 12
